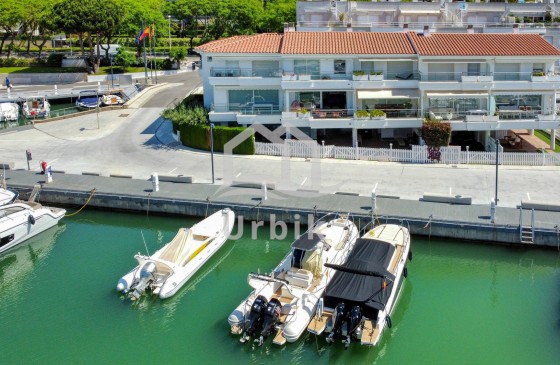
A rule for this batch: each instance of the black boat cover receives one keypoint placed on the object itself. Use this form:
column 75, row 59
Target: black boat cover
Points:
column 360, row 281
column 306, row 242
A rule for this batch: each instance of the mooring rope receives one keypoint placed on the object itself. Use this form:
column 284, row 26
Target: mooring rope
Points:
column 79, row 210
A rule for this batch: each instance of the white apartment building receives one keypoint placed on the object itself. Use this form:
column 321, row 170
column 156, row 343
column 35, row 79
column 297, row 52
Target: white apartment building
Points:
column 445, row 16
column 322, row 82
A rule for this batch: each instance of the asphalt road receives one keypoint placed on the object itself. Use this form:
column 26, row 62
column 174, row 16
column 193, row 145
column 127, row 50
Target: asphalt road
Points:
column 137, row 141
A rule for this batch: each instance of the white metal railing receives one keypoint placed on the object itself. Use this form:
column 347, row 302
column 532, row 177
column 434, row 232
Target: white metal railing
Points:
column 418, row 154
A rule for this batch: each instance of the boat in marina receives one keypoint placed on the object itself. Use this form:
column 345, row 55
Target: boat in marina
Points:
column 20, row 221
column 167, row 270
column 112, row 100
column 283, row 302
column 7, row 196
column 36, row 107
column 358, row 301
column 88, row 99
column 9, row 112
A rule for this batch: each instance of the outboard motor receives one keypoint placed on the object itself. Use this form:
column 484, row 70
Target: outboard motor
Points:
column 271, row 315
column 147, row 276
column 256, row 314
column 353, row 325
column 337, row 319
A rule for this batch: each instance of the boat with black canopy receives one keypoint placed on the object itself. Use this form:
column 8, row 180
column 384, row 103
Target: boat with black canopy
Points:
column 362, row 294
column 283, row 302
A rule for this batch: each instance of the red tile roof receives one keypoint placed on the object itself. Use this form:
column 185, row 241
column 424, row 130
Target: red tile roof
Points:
column 463, row 44
column 258, row 43
column 437, row 44
column 346, row 43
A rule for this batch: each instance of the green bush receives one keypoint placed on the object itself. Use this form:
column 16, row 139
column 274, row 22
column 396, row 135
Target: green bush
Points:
column 358, row 73
column 54, row 60
column 198, row 136
column 436, row 133
column 377, row 113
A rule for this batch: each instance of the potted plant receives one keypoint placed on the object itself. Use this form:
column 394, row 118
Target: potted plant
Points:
column 359, row 75
column 303, row 113
column 376, row 76
column 362, row 114
column 378, row 114
column 538, row 76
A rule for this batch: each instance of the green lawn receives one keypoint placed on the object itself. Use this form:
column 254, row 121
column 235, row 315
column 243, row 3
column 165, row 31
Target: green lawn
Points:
column 106, row 70
column 41, row 70
column 545, row 136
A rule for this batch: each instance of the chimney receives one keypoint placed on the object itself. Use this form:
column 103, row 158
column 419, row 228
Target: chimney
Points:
column 470, row 29
column 426, row 31
column 515, row 28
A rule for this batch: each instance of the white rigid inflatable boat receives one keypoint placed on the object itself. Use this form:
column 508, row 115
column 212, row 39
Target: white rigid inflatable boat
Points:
column 362, row 294
column 284, row 301
column 167, row 270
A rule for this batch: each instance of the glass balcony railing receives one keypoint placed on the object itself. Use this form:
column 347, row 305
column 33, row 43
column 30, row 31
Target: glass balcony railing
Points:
column 247, row 108
column 244, row 72
column 512, row 76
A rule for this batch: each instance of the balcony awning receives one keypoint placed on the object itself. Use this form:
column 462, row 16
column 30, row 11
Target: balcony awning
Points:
column 416, row 11
column 388, row 94
column 456, row 96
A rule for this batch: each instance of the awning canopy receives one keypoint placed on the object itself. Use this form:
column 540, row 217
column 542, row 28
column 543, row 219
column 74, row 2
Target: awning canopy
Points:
column 387, row 94
column 456, row 96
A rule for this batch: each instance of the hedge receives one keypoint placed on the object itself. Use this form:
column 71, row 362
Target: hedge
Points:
column 198, row 136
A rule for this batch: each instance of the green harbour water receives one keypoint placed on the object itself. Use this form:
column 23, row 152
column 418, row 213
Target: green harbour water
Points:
column 463, row 303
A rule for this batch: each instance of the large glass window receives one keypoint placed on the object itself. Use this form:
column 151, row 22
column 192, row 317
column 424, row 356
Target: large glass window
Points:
column 307, row 67
column 458, row 105
column 251, row 100
column 266, row 68
column 309, row 100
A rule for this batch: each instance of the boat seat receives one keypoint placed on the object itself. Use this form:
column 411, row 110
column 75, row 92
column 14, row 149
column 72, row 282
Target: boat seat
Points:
column 299, row 277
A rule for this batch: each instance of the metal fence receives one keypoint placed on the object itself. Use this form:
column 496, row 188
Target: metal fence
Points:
column 417, row 154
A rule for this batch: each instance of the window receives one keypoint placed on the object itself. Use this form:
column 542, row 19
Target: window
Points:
column 240, row 100
column 209, row 59
column 307, row 67
column 339, row 67
column 6, row 240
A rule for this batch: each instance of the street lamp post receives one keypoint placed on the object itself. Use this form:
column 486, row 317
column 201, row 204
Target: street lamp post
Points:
column 111, row 59
column 212, row 149
column 497, row 156
column 97, row 107
column 169, row 18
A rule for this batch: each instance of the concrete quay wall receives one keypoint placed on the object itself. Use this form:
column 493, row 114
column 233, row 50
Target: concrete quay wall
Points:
column 148, row 204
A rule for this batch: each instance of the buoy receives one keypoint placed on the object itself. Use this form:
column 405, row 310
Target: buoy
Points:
column 31, row 219
column 388, row 320
column 409, row 255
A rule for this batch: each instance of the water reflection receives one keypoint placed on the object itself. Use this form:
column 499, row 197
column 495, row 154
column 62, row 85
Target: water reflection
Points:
column 17, row 264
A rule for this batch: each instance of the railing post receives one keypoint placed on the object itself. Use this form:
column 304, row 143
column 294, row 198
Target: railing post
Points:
column 390, row 152
column 468, row 156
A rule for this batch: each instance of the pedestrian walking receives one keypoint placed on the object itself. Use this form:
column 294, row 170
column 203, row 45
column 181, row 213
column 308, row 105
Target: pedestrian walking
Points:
column 9, row 84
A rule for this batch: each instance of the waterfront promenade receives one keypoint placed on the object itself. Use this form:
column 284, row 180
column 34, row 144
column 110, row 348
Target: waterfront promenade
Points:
column 137, row 142
column 424, row 218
